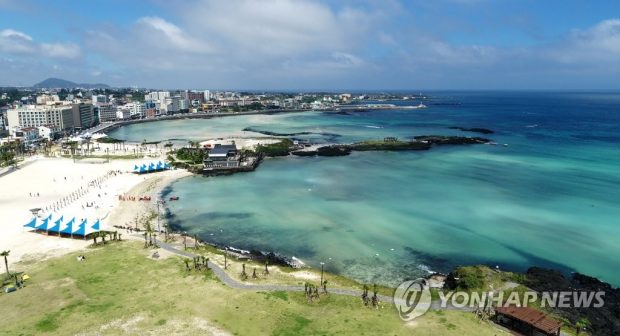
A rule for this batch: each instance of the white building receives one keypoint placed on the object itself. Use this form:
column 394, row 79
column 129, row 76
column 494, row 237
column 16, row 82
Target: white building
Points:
column 207, row 95
column 100, row 99
column 39, row 115
column 135, row 108
column 178, row 103
column 157, row 96
column 47, row 99
column 48, row 131
column 123, row 113
column 27, row 135
column 106, row 112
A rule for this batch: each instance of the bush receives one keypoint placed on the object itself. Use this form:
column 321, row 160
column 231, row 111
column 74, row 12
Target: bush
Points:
column 281, row 148
column 192, row 155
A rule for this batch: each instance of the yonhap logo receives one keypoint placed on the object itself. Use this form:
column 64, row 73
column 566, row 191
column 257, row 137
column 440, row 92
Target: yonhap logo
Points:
column 412, row 299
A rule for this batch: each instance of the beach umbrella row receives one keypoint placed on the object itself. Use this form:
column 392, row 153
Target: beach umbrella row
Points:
column 151, row 167
column 67, row 227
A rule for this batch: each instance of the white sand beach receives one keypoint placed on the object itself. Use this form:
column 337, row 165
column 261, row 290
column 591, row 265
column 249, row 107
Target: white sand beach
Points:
column 46, row 181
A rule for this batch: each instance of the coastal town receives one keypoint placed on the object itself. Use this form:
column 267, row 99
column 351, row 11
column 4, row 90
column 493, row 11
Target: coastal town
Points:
column 32, row 116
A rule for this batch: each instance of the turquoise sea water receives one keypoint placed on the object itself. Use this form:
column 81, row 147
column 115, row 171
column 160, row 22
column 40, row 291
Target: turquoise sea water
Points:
column 551, row 198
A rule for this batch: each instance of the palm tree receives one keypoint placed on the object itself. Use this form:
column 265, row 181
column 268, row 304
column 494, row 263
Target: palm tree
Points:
column 5, row 254
column 243, row 274
column 375, row 299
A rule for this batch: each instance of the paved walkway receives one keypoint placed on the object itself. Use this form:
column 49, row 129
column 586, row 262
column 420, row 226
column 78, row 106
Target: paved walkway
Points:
column 229, row 281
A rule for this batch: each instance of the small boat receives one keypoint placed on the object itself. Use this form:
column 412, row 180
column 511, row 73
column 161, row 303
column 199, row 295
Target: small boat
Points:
column 174, row 198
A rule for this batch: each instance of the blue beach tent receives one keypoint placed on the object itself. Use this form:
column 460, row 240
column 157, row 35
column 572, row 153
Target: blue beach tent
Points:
column 56, row 227
column 43, row 225
column 96, row 227
column 32, row 223
column 81, row 230
column 68, row 229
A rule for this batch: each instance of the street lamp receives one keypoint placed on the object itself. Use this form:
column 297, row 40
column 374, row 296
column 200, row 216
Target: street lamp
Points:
column 322, row 266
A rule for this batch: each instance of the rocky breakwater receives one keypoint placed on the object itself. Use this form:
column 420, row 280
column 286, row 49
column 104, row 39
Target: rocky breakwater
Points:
column 424, row 142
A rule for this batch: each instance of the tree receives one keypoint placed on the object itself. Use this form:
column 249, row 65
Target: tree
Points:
column 244, row 275
column 94, row 239
column 582, row 324
column 186, row 261
column 5, row 254
column 375, row 299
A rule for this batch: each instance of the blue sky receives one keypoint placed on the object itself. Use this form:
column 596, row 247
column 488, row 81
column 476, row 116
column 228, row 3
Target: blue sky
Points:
column 303, row 44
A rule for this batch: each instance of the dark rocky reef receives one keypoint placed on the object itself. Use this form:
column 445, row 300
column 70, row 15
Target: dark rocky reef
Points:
column 334, row 150
column 250, row 129
column 603, row 321
column 305, row 153
column 390, row 145
column 451, row 140
column 419, row 143
column 473, row 129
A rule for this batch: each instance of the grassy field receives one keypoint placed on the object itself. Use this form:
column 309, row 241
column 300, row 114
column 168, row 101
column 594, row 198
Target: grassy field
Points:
column 120, row 290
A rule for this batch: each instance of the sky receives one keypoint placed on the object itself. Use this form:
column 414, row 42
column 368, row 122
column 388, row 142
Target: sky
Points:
column 314, row 45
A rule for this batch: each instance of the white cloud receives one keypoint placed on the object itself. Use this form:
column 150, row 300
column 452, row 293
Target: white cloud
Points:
column 15, row 42
column 600, row 43
column 161, row 32
column 61, row 50
column 215, row 41
column 10, row 33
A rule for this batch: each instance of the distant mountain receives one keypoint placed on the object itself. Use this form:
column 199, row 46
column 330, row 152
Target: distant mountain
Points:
column 57, row 83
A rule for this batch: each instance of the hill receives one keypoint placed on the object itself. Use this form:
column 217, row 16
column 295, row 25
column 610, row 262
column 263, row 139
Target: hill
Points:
column 57, row 83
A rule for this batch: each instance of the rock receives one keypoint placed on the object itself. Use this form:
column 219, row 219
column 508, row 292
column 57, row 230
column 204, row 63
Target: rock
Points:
column 451, row 140
column 604, row 320
column 474, row 129
column 305, row 153
column 334, row 150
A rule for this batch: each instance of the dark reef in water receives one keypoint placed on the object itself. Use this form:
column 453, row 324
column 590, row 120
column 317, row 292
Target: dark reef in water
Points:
column 424, row 142
column 451, row 140
column 474, row 129
column 250, row 129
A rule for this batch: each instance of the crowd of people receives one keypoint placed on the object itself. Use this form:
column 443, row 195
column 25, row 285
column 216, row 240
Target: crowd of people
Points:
column 80, row 192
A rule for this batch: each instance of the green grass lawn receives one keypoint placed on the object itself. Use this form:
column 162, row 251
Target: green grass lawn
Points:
column 119, row 290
